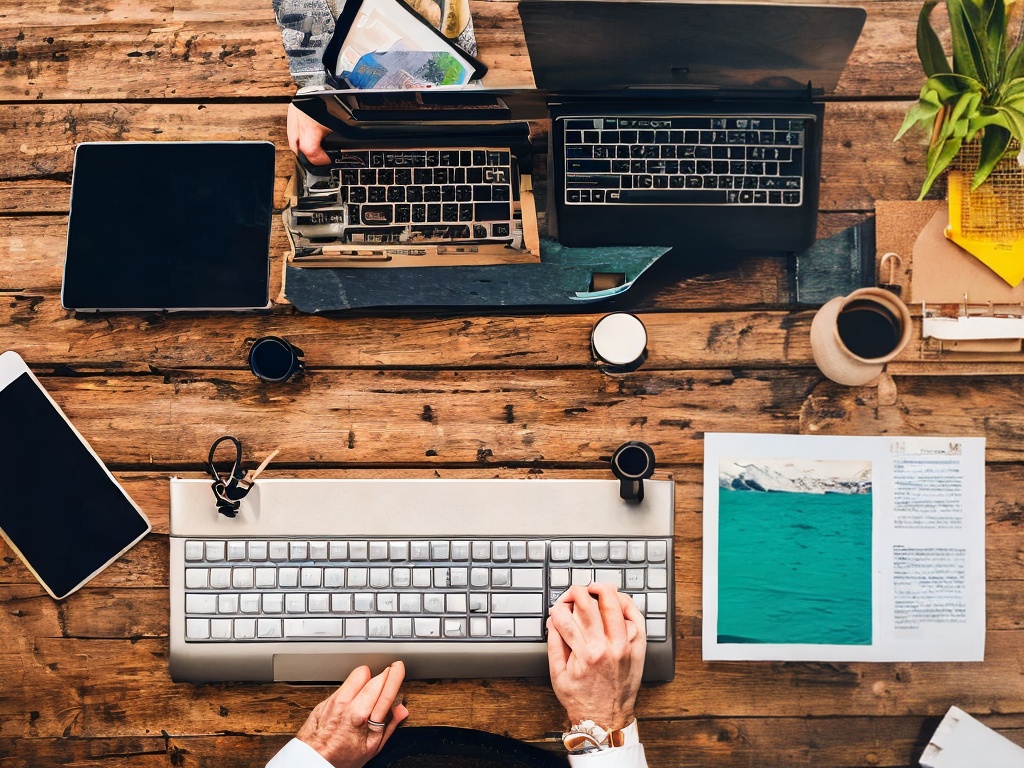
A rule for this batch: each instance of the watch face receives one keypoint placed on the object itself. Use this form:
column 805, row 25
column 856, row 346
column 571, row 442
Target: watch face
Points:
column 585, row 736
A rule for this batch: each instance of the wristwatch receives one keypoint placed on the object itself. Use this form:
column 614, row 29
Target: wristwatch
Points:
column 588, row 736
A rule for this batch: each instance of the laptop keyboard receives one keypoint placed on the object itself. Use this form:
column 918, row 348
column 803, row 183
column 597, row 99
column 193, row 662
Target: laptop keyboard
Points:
column 422, row 195
column 454, row 577
column 405, row 589
column 686, row 160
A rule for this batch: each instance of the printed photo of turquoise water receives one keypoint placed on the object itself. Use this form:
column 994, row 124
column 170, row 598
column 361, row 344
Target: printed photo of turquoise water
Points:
column 794, row 551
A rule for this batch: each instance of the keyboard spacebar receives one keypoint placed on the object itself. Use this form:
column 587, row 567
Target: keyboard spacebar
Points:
column 669, row 196
column 314, row 627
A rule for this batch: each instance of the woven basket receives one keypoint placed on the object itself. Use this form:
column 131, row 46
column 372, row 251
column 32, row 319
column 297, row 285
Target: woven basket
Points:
column 993, row 211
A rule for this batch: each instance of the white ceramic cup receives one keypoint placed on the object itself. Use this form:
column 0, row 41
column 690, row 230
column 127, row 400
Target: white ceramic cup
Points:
column 619, row 340
column 853, row 337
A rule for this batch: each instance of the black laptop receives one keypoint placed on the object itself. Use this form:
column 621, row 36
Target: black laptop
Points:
column 691, row 124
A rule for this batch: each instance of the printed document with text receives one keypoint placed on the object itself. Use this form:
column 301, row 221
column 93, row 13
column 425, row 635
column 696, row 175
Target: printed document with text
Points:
column 830, row 548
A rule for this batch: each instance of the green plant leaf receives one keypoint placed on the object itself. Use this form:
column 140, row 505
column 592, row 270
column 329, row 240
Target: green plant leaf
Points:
column 950, row 85
column 986, row 20
column 957, row 122
column 987, row 117
column 1010, row 90
column 993, row 16
column 969, row 55
column 993, row 147
column 1016, row 105
column 939, row 159
column 922, row 112
column 1015, row 120
column 929, row 49
column 1015, row 63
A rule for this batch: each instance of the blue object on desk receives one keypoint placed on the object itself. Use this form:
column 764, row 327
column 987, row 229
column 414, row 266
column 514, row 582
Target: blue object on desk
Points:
column 563, row 277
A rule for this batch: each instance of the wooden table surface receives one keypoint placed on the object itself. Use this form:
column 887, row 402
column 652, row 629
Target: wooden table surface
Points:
column 85, row 681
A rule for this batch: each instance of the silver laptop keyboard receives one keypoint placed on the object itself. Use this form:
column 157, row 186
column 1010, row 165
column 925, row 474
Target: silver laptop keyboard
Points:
column 402, row 589
column 684, row 160
column 428, row 195
column 314, row 577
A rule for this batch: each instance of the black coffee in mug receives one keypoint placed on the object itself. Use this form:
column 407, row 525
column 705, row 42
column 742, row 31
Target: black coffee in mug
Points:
column 273, row 359
column 869, row 329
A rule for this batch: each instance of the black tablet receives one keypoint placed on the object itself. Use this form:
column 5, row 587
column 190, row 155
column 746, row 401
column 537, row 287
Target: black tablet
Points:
column 62, row 512
column 169, row 226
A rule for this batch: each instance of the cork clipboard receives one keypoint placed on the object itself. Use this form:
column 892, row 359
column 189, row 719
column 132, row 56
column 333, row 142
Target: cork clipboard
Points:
column 934, row 275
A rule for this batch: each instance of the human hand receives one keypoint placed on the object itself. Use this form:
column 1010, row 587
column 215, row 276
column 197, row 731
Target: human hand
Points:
column 597, row 640
column 305, row 135
column 339, row 727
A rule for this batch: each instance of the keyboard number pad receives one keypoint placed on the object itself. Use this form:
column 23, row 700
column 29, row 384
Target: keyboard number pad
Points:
column 637, row 567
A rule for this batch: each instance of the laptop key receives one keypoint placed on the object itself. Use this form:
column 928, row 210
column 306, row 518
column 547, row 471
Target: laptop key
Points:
column 587, row 166
column 377, row 214
column 580, row 180
column 491, row 211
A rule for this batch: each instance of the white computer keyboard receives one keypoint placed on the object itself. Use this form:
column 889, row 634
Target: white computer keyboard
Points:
column 252, row 602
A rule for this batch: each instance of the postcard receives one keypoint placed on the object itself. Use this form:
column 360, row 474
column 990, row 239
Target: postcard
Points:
column 835, row 548
column 383, row 46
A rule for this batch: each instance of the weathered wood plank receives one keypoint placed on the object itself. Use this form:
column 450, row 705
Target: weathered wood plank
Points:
column 46, row 335
column 710, row 743
column 92, row 687
column 860, row 161
column 954, row 405
column 117, row 52
column 473, row 418
column 482, row 418
column 151, row 53
column 125, row 60
column 41, row 138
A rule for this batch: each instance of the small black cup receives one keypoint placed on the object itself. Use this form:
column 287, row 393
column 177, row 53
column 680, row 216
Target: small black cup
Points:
column 274, row 360
column 632, row 463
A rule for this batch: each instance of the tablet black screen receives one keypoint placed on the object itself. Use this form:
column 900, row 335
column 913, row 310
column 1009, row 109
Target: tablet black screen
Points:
column 60, row 508
column 170, row 225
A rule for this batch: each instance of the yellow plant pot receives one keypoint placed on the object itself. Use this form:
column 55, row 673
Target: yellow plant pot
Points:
column 988, row 222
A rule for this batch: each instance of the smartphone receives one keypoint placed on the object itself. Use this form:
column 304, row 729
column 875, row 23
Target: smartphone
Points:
column 61, row 510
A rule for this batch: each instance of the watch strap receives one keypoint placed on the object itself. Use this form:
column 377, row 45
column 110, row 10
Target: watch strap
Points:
column 588, row 736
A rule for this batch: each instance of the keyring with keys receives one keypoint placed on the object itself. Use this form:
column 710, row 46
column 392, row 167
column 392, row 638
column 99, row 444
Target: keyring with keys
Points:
column 230, row 492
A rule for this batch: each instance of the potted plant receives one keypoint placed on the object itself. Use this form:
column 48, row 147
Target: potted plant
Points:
column 974, row 104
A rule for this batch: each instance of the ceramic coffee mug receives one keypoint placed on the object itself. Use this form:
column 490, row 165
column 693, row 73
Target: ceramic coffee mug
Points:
column 274, row 360
column 619, row 342
column 632, row 463
column 853, row 337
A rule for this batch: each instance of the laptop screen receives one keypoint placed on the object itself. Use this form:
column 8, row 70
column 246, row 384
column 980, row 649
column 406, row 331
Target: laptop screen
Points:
column 619, row 44
column 169, row 225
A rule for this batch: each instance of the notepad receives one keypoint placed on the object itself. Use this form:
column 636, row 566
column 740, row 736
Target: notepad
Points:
column 960, row 741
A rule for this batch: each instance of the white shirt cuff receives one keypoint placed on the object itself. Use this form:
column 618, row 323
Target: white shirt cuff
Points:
column 616, row 757
column 629, row 755
column 298, row 754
